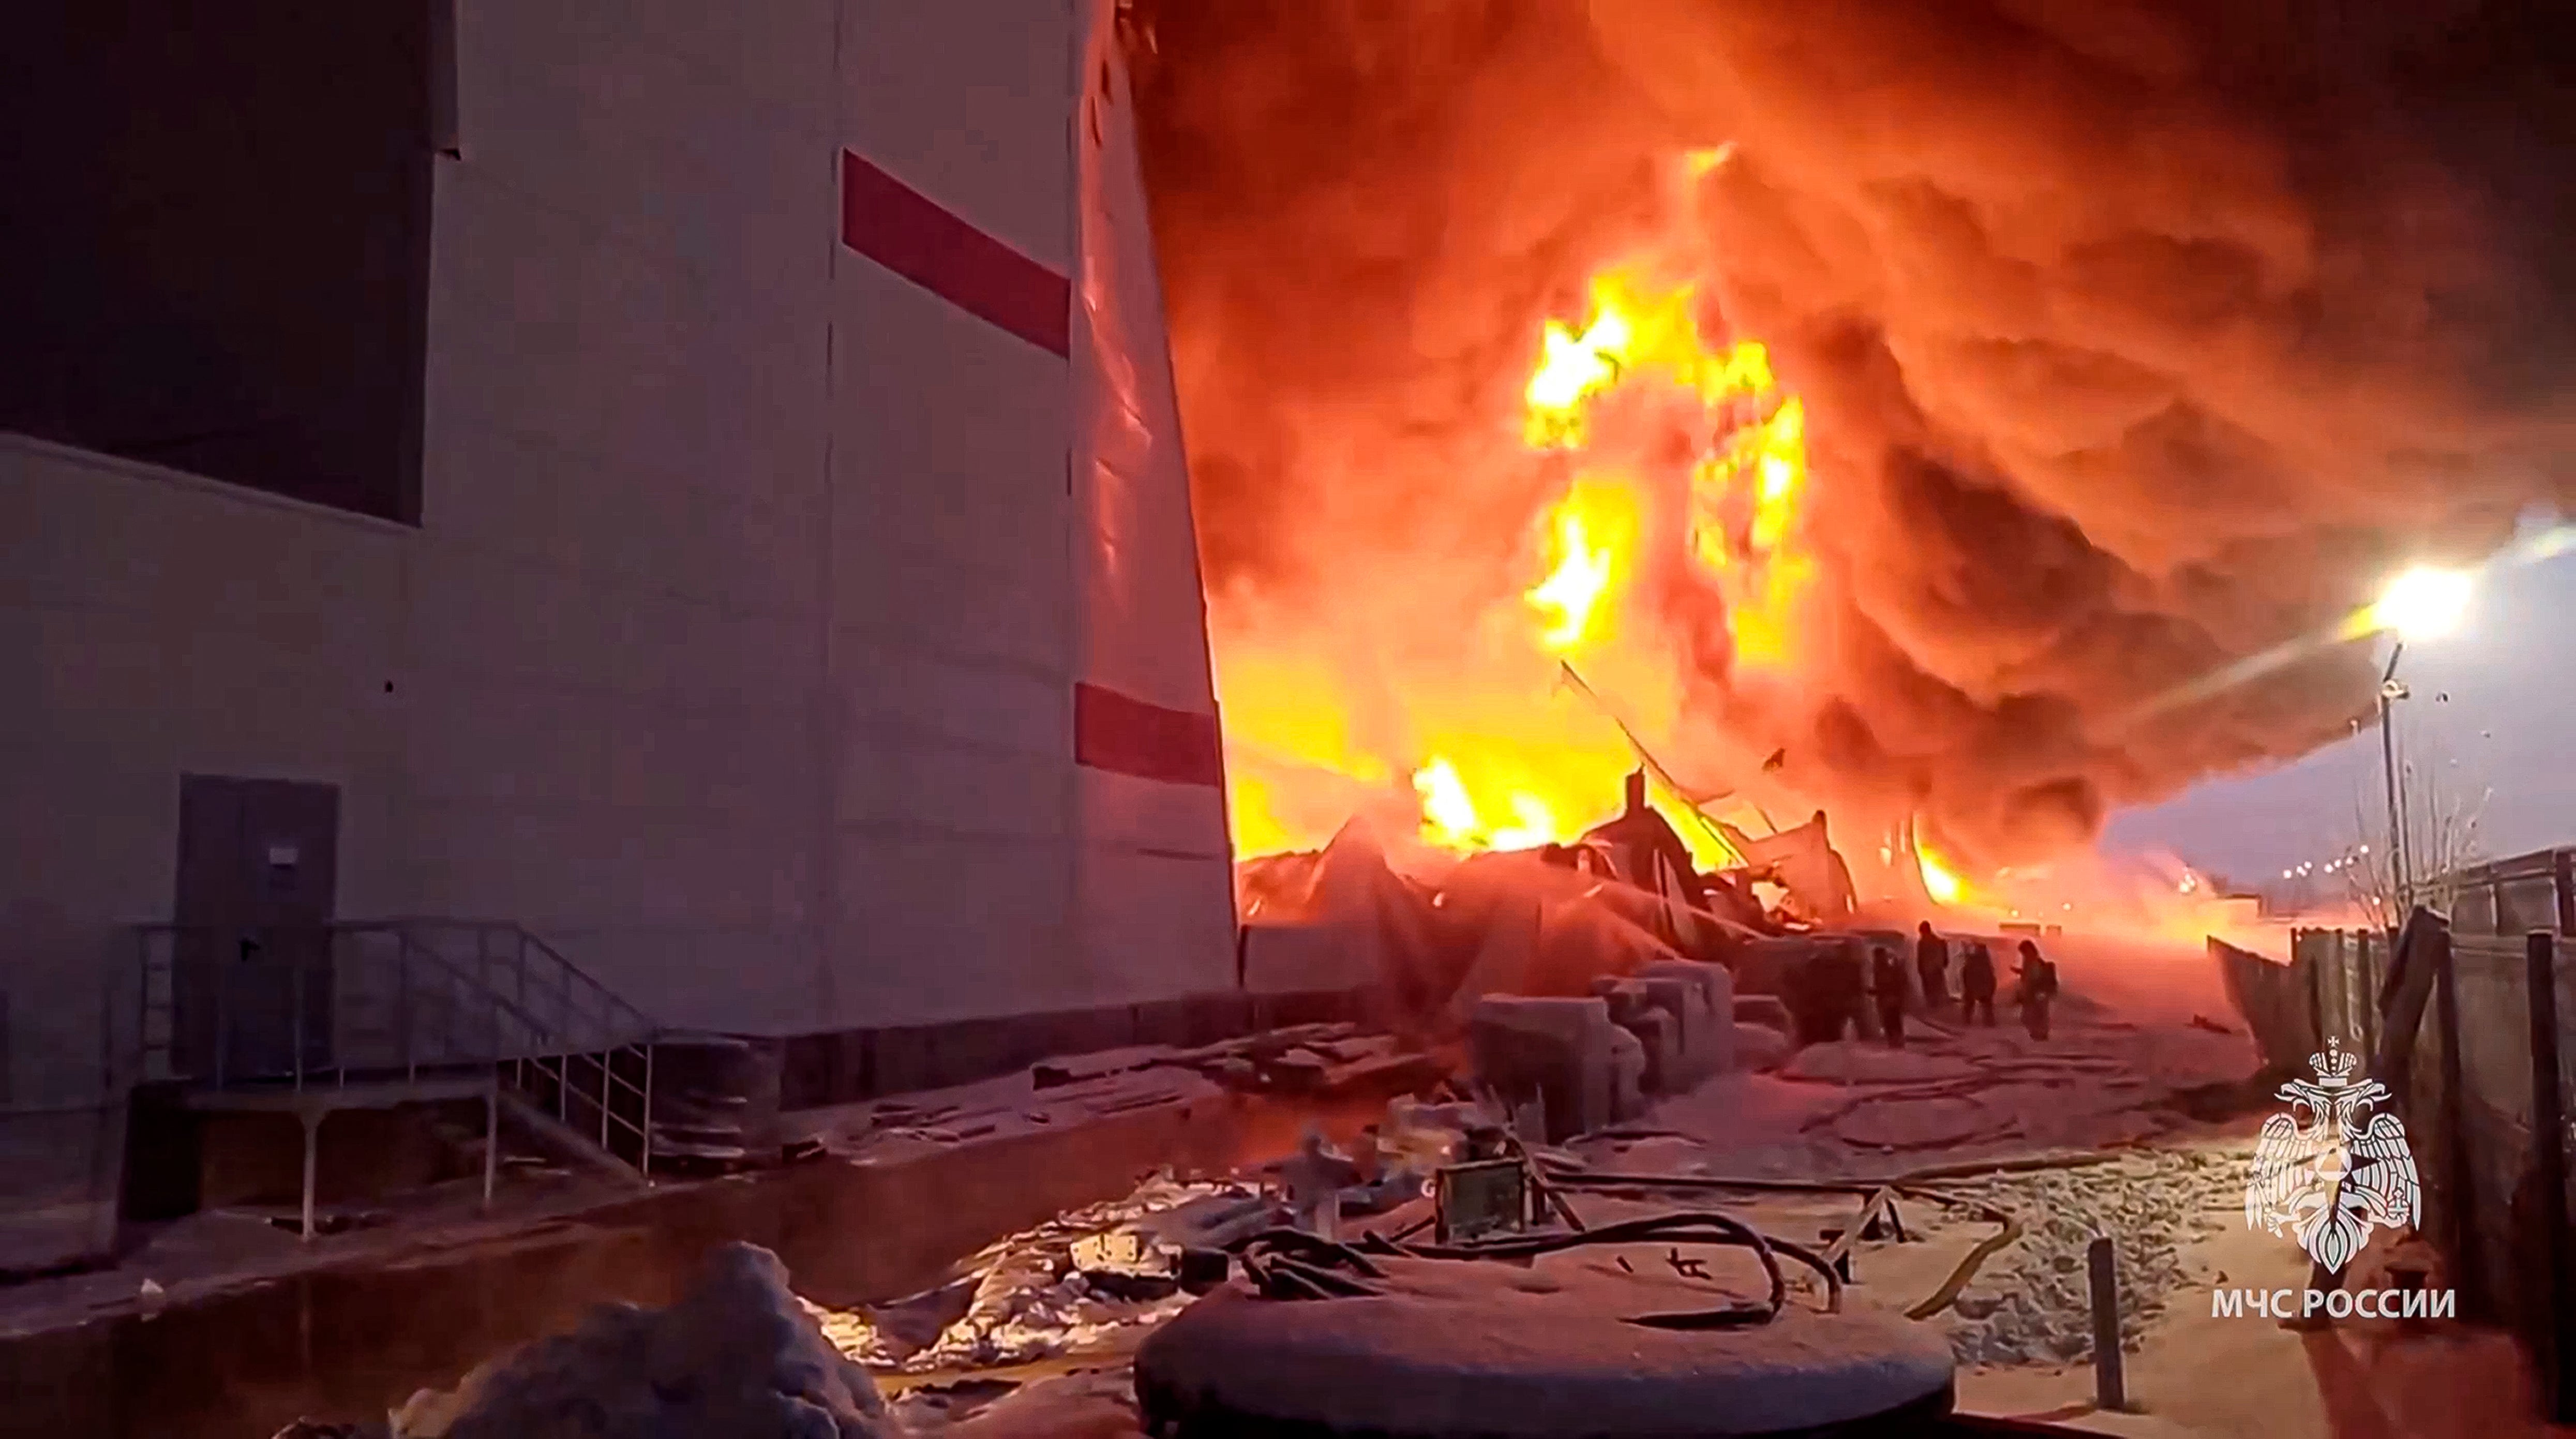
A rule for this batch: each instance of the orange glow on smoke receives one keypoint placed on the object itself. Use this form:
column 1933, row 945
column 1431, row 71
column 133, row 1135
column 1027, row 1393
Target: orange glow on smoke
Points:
column 1666, row 465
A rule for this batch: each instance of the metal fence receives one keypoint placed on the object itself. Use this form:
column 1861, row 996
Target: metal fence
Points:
column 2340, row 973
column 2512, row 897
column 58, row 1184
column 2469, row 1032
column 62, row 1126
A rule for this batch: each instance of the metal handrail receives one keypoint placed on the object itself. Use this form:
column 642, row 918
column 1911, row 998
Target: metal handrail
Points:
column 467, row 1018
column 616, row 1004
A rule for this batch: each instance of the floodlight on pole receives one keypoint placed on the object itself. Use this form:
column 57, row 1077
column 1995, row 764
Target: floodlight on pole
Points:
column 2423, row 603
column 2391, row 691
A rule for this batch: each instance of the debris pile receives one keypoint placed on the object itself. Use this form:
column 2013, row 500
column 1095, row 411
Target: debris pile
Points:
column 1436, row 933
column 736, row 1356
column 1071, row 1284
column 2029, row 1304
column 1307, row 1061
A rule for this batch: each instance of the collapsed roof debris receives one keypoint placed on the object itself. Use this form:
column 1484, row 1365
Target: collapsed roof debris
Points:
column 1049, row 1290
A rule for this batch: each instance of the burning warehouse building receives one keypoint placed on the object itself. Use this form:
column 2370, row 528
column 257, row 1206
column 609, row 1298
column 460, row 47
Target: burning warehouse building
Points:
column 696, row 503
column 693, row 492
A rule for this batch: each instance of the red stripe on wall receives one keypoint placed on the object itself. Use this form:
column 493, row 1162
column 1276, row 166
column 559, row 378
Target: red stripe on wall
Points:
column 905, row 231
column 1125, row 735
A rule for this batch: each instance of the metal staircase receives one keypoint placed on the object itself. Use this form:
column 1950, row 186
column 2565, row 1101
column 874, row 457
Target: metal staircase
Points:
column 386, row 1009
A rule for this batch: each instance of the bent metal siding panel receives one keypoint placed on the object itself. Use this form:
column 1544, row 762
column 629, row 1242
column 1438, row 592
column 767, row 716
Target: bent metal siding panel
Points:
column 1154, row 887
column 1148, row 911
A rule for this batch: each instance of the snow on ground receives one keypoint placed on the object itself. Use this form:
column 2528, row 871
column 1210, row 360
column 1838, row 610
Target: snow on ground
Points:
column 2030, row 1303
column 733, row 1357
column 2138, row 1026
column 1094, row 1086
column 2124, row 1044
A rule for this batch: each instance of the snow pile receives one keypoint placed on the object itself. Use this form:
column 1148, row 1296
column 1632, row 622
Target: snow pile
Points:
column 1023, row 1298
column 736, row 1356
column 1845, row 1062
column 2029, row 1303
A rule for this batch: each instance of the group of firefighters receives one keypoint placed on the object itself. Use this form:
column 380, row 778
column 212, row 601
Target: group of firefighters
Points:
column 2034, row 984
column 1835, row 990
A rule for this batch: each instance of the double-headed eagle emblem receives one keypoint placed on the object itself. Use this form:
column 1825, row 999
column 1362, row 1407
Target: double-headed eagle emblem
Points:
column 2328, row 1172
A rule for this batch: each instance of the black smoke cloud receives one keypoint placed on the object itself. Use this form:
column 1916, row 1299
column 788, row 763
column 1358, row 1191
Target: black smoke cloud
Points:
column 2137, row 338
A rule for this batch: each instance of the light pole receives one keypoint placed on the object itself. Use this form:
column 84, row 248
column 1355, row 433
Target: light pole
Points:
column 2419, row 604
column 2390, row 691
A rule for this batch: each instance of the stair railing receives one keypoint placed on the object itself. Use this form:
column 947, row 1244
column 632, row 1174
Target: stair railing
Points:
column 455, row 996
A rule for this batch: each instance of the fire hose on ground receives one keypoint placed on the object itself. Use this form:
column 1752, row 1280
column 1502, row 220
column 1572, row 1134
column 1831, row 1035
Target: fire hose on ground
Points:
column 1912, row 1185
column 1293, row 1264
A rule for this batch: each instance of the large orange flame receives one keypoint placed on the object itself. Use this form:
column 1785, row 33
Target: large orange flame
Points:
column 1501, row 755
column 1940, row 881
column 1595, row 528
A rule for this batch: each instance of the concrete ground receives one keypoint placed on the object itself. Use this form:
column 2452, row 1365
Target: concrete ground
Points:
column 2109, row 1098
column 225, row 1327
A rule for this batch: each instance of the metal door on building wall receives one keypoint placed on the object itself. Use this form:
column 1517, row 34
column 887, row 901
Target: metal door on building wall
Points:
column 258, row 871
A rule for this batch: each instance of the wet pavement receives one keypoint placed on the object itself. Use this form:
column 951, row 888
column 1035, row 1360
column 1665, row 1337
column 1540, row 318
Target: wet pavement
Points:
column 352, row 1341
column 330, row 1345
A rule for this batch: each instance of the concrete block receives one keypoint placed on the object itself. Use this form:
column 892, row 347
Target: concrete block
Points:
column 1628, row 1061
column 1758, row 1047
column 1666, row 1066
column 1684, row 1014
column 1634, row 1010
column 1702, row 997
column 1555, row 1049
column 1764, row 1011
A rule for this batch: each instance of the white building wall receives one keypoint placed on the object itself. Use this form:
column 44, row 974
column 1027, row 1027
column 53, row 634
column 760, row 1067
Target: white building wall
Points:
column 734, row 652
column 615, row 619
column 152, row 624
column 954, row 590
